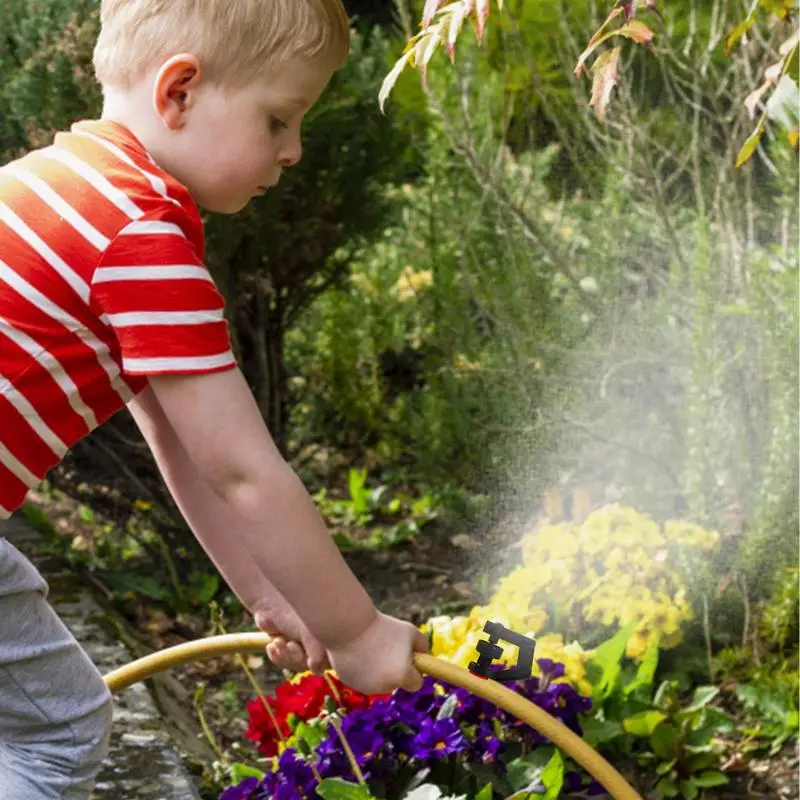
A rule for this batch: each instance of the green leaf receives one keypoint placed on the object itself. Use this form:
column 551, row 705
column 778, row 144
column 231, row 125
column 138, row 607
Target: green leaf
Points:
column 700, row 761
column 666, row 696
column 528, row 768
column 711, row 778
column 38, row 519
column 702, row 696
column 664, row 741
column 667, row 787
column 356, row 482
column 241, row 771
column 751, row 143
column 596, row 731
column 737, row 33
column 488, row 774
column 608, row 657
column 204, row 594
column 338, row 789
column 643, row 723
column 688, row 789
column 312, row 734
column 486, row 793
column 710, row 722
column 448, row 707
column 647, row 670
column 665, row 767
column 343, row 541
column 146, row 587
column 553, row 777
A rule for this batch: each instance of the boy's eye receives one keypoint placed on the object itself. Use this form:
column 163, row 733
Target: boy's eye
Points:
column 276, row 124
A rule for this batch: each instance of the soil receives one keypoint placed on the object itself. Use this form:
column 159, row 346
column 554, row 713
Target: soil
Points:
column 434, row 573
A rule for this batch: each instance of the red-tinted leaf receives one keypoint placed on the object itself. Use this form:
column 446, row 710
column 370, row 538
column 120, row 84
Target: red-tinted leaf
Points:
column 429, row 11
column 426, row 48
column 652, row 5
column 754, row 98
column 599, row 32
column 635, row 30
column 482, row 14
column 605, row 71
column 628, row 8
column 456, row 21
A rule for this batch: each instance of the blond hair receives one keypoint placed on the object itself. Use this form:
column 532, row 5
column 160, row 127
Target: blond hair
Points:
column 234, row 40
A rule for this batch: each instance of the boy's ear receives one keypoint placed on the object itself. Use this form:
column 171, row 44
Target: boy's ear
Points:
column 173, row 90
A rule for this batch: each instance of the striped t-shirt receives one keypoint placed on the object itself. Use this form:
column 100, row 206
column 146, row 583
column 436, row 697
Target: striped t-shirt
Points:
column 102, row 283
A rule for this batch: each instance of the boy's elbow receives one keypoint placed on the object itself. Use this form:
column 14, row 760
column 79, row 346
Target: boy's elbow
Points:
column 246, row 488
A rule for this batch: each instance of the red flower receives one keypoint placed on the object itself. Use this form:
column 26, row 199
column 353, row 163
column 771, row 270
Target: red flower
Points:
column 306, row 699
column 262, row 730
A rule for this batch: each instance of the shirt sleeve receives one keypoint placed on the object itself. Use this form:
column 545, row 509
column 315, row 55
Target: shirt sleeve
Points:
column 160, row 301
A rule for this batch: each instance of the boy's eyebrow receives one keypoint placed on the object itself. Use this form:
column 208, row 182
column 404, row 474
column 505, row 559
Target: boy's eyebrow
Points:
column 294, row 102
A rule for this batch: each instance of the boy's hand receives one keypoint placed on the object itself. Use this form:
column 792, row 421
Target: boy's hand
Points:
column 293, row 648
column 379, row 660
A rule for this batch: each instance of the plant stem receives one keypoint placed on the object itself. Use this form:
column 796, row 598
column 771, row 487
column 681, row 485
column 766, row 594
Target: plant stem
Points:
column 208, row 734
column 253, row 682
column 330, row 683
column 350, row 757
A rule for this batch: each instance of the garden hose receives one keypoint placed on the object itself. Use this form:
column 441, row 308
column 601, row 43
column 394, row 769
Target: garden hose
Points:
column 490, row 690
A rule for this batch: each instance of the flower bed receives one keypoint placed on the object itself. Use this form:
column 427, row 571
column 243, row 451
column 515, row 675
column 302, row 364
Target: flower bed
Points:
column 331, row 741
column 609, row 579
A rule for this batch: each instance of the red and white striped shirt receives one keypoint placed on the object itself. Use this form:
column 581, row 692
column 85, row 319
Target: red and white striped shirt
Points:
column 102, row 283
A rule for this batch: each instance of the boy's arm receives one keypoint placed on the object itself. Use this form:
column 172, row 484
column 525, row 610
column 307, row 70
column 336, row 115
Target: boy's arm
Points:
column 202, row 509
column 262, row 506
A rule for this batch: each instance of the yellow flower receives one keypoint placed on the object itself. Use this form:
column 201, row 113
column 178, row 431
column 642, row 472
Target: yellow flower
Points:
column 410, row 283
column 638, row 643
column 664, row 619
column 572, row 656
column 691, row 535
column 550, row 541
column 615, row 558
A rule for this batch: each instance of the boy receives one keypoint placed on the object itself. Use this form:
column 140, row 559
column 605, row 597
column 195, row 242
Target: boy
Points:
column 105, row 301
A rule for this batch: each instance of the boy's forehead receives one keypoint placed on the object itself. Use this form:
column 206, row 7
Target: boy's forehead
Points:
column 297, row 85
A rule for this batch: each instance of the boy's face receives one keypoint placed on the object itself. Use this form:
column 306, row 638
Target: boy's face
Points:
column 232, row 144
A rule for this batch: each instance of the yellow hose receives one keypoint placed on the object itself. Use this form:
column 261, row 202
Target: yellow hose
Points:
column 496, row 693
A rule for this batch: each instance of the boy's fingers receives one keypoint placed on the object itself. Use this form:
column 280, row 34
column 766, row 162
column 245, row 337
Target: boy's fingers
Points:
column 421, row 643
column 317, row 658
column 413, row 680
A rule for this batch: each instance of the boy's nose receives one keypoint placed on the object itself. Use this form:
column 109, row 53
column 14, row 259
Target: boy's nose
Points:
column 291, row 154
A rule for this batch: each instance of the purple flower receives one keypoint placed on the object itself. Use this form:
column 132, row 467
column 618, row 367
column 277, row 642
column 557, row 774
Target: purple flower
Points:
column 487, row 745
column 551, row 669
column 242, row 791
column 438, row 739
column 562, row 700
column 365, row 743
column 293, row 780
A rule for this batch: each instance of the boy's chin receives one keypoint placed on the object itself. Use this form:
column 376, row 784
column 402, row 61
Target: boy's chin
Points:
column 222, row 205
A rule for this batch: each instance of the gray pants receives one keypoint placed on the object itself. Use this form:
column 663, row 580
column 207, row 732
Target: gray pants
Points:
column 55, row 710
